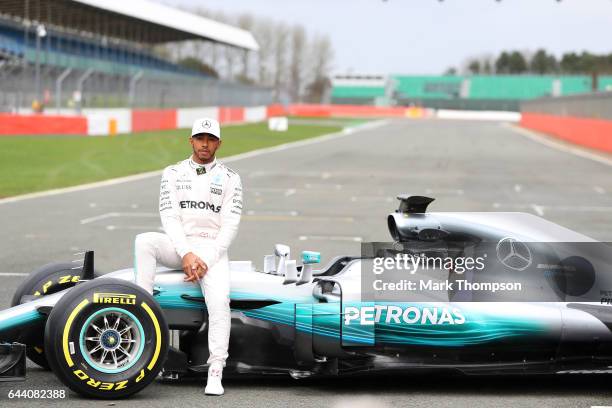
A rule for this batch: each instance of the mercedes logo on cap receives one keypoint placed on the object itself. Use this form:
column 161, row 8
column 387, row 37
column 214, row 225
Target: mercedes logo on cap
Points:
column 514, row 254
column 206, row 124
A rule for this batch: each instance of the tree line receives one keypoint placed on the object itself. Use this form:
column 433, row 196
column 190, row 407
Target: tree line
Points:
column 540, row 62
column 294, row 63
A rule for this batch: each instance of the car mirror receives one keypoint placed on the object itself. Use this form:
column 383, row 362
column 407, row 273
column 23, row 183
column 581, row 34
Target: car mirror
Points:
column 308, row 259
column 327, row 291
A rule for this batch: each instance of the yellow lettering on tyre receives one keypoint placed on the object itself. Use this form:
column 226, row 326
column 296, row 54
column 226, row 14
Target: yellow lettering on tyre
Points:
column 81, row 374
column 46, row 286
column 141, row 376
column 104, row 386
column 64, row 279
column 74, row 313
column 116, row 298
column 107, row 386
column 93, row 383
column 121, row 385
column 67, row 279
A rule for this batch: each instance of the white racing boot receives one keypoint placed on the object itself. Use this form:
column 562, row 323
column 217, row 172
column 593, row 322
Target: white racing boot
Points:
column 213, row 385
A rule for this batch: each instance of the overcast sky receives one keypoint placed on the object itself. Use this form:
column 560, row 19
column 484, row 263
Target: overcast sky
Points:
column 428, row 36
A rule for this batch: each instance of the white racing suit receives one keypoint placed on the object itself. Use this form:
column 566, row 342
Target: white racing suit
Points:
column 200, row 212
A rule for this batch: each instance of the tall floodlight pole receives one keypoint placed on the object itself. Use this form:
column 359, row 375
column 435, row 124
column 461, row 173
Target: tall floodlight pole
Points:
column 58, row 88
column 132, row 88
column 79, row 87
column 41, row 32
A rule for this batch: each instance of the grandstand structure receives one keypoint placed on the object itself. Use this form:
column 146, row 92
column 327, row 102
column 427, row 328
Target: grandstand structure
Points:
column 100, row 53
column 360, row 89
column 475, row 92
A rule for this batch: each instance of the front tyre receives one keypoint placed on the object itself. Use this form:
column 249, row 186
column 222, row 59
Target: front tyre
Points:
column 48, row 279
column 108, row 339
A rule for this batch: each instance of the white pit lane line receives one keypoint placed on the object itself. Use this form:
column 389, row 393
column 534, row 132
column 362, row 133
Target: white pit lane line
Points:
column 229, row 159
column 538, row 209
column 251, row 215
column 599, row 190
column 133, row 227
column 117, row 215
column 13, row 274
column 273, row 213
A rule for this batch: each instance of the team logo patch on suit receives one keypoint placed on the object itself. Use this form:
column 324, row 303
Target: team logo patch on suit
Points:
column 215, row 190
column 202, row 205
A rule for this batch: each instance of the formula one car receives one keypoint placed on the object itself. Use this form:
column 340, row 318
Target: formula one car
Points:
column 104, row 337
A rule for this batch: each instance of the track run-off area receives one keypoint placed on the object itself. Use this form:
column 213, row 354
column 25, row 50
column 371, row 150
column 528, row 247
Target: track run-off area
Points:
column 329, row 194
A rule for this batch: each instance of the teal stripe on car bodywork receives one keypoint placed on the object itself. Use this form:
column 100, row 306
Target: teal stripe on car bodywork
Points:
column 325, row 319
column 170, row 297
column 478, row 328
column 24, row 318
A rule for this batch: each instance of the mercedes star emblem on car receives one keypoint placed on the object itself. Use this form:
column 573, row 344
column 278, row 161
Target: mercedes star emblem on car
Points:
column 514, row 254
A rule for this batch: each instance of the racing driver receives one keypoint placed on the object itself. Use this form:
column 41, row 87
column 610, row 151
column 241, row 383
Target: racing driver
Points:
column 200, row 204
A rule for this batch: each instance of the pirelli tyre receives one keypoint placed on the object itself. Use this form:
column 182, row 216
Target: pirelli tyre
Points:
column 47, row 279
column 106, row 338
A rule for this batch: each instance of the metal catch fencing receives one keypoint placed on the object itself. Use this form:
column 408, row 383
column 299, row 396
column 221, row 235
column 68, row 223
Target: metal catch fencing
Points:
column 62, row 88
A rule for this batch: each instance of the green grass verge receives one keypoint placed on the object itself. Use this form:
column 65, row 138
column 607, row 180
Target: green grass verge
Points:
column 36, row 163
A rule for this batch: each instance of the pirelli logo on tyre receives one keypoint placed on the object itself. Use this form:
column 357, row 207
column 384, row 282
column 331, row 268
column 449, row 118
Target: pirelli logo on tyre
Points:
column 114, row 298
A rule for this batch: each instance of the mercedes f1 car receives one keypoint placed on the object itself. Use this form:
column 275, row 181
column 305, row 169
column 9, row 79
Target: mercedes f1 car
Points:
column 104, row 337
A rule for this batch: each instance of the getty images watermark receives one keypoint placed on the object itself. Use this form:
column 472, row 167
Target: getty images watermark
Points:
column 505, row 270
column 424, row 265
